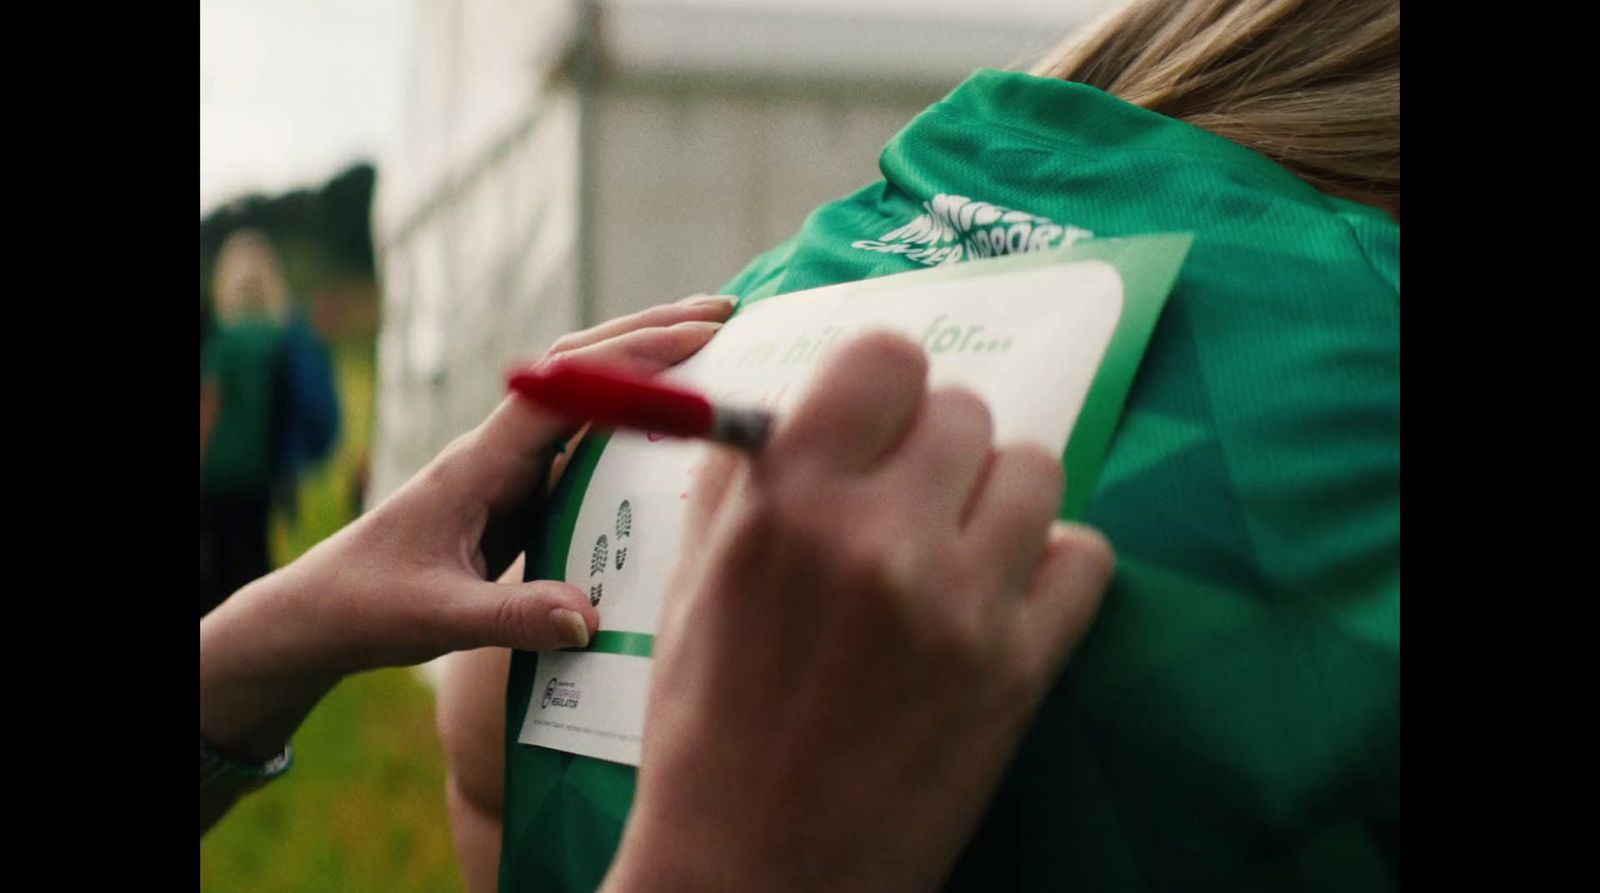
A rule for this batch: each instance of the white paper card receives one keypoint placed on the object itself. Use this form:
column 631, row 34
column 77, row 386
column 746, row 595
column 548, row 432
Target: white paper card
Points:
column 1028, row 341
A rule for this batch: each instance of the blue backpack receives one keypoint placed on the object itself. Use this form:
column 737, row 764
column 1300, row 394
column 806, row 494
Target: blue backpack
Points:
column 308, row 405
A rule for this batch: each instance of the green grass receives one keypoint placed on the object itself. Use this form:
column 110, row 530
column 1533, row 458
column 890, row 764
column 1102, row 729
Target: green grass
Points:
column 363, row 807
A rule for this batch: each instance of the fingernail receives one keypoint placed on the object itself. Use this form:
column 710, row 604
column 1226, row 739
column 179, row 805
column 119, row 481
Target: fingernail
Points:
column 724, row 301
column 571, row 630
column 699, row 324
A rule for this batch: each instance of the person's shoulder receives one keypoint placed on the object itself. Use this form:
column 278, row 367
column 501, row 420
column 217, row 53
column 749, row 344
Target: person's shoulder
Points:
column 1311, row 255
column 1269, row 397
column 1285, row 319
column 1378, row 236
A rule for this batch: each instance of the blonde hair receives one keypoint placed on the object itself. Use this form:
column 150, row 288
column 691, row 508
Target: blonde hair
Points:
column 1312, row 84
column 249, row 279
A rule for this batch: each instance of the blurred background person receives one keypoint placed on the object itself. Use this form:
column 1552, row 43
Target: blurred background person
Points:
column 240, row 415
column 268, row 412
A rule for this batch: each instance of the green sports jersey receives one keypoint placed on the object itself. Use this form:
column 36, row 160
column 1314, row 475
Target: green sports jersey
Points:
column 1232, row 720
column 241, row 362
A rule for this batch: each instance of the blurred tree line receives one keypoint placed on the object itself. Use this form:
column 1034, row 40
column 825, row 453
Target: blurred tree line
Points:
column 324, row 235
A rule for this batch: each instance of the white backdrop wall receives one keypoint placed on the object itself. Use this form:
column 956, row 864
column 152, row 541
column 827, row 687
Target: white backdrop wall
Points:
column 566, row 161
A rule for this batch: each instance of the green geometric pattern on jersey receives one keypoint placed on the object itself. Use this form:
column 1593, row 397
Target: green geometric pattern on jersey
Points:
column 1232, row 720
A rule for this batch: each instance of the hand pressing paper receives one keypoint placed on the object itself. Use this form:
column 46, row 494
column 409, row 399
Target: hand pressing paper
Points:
column 1050, row 341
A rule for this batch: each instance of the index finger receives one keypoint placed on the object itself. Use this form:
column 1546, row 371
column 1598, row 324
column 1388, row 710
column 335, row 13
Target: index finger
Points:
column 517, row 437
column 704, row 308
column 859, row 406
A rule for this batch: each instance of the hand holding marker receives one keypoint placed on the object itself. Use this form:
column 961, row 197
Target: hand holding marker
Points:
column 608, row 398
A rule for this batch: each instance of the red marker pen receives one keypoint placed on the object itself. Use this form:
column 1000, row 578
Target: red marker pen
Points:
column 600, row 395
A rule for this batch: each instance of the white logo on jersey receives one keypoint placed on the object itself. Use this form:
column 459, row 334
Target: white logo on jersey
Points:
column 954, row 227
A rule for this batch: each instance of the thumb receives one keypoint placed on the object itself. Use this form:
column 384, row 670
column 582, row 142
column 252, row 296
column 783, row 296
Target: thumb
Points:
column 1067, row 590
column 541, row 615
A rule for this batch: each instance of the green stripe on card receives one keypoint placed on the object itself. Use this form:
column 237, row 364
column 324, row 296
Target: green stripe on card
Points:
column 610, row 642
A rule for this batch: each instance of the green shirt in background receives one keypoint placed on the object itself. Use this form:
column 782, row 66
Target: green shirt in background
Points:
column 241, row 360
column 1232, row 721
